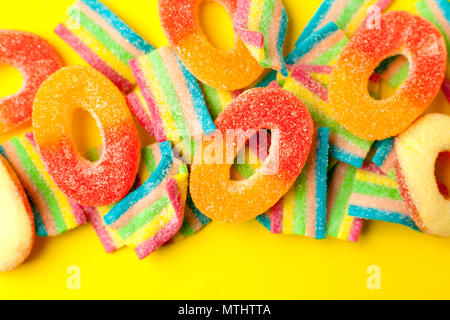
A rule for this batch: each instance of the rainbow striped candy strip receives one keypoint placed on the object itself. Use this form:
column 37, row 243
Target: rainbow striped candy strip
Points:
column 344, row 146
column 262, row 25
column 438, row 13
column 153, row 214
column 193, row 222
column 303, row 210
column 349, row 15
column 173, row 99
column 322, row 48
column 217, row 99
column 103, row 40
column 377, row 197
column 340, row 224
column 138, row 107
column 53, row 212
column 383, row 156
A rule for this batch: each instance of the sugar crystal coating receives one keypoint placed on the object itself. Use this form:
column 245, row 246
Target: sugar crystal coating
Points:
column 399, row 33
column 16, row 220
column 231, row 70
column 417, row 150
column 36, row 59
column 92, row 184
column 220, row 198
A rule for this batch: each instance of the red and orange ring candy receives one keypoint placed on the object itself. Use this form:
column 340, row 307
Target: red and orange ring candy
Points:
column 223, row 199
column 36, row 59
column 231, row 70
column 398, row 33
column 93, row 184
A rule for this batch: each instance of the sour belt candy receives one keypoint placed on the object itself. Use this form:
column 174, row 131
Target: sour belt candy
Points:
column 349, row 15
column 383, row 155
column 417, row 150
column 230, row 70
column 340, row 224
column 377, row 197
column 54, row 213
column 262, row 25
column 103, row 40
column 399, row 32
column 220, row 198
column 217, row 99
column 152, row 214
column 35, row 58
column 344, row 146
column 92, row 184
column 303, row 210
column 16, row 220
column 174, row 100
column 320, row 49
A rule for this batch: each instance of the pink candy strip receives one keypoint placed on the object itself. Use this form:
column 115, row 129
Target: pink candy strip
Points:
column 311, row 84
column 310, row 68
column 254, row 38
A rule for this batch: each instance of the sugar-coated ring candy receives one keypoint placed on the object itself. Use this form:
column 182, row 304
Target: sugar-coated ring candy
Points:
column 399, row 33
column 36, row 59
column 231, row 70
column 417, row 150
column 17, row 233
column 223, row 199
column 92, row 184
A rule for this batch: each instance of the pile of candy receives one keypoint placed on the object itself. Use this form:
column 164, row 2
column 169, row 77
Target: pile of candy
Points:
column 309, row 148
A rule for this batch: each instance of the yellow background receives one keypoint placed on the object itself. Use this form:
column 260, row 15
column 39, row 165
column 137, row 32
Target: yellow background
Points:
column 223, row 261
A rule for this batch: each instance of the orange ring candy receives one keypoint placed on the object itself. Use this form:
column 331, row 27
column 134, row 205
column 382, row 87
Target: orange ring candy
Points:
column 36, row 59
column 231, row 70
column 92, row 184
column 292, row 128
column 399, row 32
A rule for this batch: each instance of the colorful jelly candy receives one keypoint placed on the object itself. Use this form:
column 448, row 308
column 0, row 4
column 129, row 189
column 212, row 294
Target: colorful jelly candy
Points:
column 340, row 224
column 303, row 210
column 438, row 13
column 383, row 155
column 320, row 49
column 262, row 25
column 36, row 59
column 54, row 213
column 399, row 32
column 349, row 15
column 344, row 146
column 139, row 108
column 16, row 220
column 217, row 99
column 193, row 222
column 231, row 70
column 220, row 198
column 174, row 100
column 417, row 150
column 377, row 197
column 152, row 214
column 103, row 40
column 92, row 184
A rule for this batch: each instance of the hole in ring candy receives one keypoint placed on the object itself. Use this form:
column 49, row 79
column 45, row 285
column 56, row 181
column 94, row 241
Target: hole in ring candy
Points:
column 213, row 191
column 92, row 184
column 399, row 33
column 36, row 60
column 17, row 233
column 417, row 150
column 232, row 70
